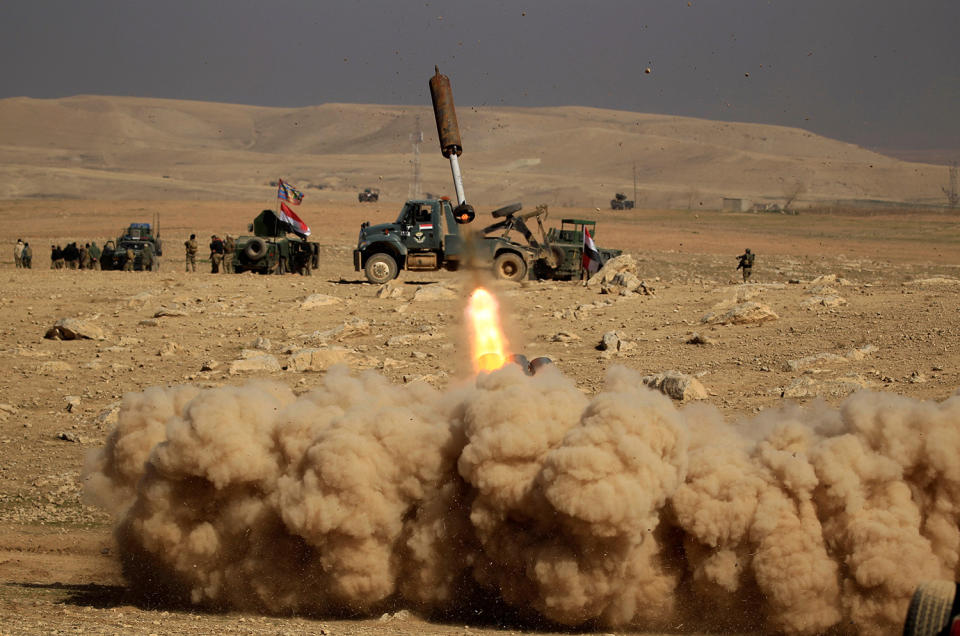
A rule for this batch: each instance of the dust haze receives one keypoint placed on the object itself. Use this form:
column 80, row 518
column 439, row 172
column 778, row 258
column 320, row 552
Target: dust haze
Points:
column 608, row 510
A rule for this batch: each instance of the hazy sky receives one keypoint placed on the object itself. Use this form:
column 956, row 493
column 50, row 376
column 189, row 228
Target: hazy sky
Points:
column 883, row 74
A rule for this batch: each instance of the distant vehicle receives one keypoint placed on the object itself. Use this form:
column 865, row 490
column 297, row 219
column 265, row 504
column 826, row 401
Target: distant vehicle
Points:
column 270, row 251
column 620, row 202
column 135, row 237
column 369, row 195
column 426, row 237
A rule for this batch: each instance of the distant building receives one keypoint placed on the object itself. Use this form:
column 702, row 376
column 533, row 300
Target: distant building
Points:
column 735, row 205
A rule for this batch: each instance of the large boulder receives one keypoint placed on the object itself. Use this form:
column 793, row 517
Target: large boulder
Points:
column 679, row 386
column 743, row 314
column 610, row 269
column 75, row 329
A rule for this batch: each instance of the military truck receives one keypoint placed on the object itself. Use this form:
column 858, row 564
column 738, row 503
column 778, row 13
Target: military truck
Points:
column 136, row 236
column 369, row 195
column 620, row 202
column 426, row 237
column 270, row 251
column 567, row 243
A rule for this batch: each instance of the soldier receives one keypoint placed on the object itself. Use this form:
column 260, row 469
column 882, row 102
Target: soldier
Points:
column 26, row 257
column 85, row 256
column 106, row 258
column 304, row 258
column 746, row 263
column 229, row 247
column 54, row 256
column 146, row 257
column 191, row 248
column 94, row 253
column 129, row 259
column 71, row 255
column 216, row 253
column 18, row 253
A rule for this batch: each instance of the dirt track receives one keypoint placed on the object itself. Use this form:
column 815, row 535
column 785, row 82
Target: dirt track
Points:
column 57, row 571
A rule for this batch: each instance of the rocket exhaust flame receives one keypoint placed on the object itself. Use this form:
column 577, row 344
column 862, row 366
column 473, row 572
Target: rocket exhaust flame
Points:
column 487, row 342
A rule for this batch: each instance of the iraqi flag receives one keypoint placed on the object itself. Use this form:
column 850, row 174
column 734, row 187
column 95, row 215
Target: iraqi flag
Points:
column 294, row 222
column 591, row 256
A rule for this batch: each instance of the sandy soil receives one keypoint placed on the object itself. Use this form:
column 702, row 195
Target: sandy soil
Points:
column 898, row 275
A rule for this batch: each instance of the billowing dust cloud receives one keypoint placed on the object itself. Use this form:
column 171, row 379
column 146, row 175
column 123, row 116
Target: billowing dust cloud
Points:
column 521, row 492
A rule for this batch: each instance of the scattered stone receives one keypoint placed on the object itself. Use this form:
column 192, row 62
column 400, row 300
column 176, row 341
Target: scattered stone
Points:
column 917, row 378
column 67, row 436
column 169, row 312
column 679, row 386
column 564, row 336
column 140, row 299
column 697, row 339
column 263, row 362
column 809, row 361
column 859, row 354
column 825, row 301
column 742, row 314
column 73, row 403
column 149, row 322
column 209, row 365
column 610, row 269
column 261, row 343
column 319, row 300
column 436, row 291
column 352, row 328
column 390, row 289
column 169, row 349
column 807, row 387
column 611, row 341
column 54, row 367
column 75, row 329
column 109, row 416
column 8, row 409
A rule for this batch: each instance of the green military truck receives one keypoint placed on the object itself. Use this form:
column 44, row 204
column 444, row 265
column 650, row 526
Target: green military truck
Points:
column 427, row 237
column 270, row 251
column 135, row 236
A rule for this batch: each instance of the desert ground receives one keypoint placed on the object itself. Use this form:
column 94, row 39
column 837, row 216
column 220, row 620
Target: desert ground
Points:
column 878, row 290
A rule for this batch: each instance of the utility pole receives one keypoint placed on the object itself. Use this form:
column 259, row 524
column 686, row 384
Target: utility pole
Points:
column 416, row 138
column 635, row 202
column 952, row 192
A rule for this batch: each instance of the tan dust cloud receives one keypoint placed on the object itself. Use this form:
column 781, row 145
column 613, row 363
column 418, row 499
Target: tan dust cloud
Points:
column 613, row 510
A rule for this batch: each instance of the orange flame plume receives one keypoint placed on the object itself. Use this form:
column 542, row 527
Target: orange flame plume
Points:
column 488, row 344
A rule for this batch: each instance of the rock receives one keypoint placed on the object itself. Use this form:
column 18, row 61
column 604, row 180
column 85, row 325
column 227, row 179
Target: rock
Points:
column 822, row 290
column 75, row 329
column 67, row 436
column 263, row 362
column 8, row 409
column 742, row 314
column 352, row 328
column 109, row 416
column 936, row 280
column 209, row 365
column 73, row 403
column 917, row 378
column 436, row 291
column 140, row 299
column 807, row 387
column 261, row 343
column 825, row 301
column 390, row 290
column 676, row 385
column 809, row 361
column 319, row 300
column 825, row 278
column 320, row 359
column 168, row 349
column 54, row 367
column 149, row 322
column 861, row 353
column 129, row 341
column 610, row 269
column 697, row 339
column 169, row 312
column 611, row 341
column 564, row 336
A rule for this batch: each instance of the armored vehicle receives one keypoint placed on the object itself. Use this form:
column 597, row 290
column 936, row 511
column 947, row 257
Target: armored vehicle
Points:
column 135, row 237
column 426, row 237
column 369, row 195
column 620, row 202
column 270, row 251
column 567, row 243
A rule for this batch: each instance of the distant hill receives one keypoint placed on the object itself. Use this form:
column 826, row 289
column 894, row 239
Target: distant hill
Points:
column 132, row 148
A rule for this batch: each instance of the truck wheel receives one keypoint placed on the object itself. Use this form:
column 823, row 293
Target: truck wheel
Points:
column 255, row 249
column 930, row 608
column 509, row 266
column 380, row 268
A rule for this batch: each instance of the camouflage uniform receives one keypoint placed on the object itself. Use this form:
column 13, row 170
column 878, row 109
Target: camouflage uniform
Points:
column 94, row 253
column 216, row 254
column 746, row 263
column 146, row 257
column 26, row 258
column 129, row 260
column 191, row 248
column 229, row 247
column 84, row 257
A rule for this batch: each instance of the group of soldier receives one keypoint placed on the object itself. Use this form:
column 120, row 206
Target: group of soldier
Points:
column 221, row 253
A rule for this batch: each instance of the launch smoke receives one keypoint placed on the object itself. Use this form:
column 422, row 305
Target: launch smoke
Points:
column 613, row 510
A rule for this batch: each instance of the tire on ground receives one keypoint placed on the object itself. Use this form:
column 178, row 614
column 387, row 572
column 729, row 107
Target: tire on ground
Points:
column 380, row 268
column 930, row 608
column 255, row 249
column 509, row 266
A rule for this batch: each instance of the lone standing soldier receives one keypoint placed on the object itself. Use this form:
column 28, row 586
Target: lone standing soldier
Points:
column 190, row 245
column 229, row 247
column 18, row 253
column 146, row 257
column 216, row 254
column 746, row 263
column 129, row 260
